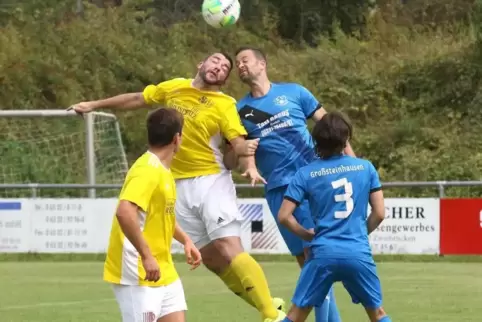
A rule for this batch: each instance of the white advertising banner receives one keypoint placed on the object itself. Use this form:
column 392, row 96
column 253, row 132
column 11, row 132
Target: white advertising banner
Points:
column 411, row 226
column 55, row 225
column 83, row 226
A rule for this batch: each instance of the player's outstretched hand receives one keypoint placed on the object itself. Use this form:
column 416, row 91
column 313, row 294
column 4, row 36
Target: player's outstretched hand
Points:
column 253, row 175
column 82, row 107
column 153, row 273
column 193, row 256
column 251, row 146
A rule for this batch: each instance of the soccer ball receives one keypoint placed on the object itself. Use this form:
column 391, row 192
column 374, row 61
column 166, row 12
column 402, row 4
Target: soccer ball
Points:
column 221, row 13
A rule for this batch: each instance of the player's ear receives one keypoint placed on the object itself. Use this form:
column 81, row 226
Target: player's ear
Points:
column 178, row 139
column 200, row 65
column 263, row 63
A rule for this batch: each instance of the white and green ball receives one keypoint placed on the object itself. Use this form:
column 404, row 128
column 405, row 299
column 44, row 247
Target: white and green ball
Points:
column 221, row 13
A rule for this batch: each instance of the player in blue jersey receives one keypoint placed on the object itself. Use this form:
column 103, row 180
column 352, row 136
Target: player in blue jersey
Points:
column 339, row 189
column 276, row 113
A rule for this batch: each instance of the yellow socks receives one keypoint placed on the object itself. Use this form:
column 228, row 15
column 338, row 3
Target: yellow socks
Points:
column 254, row 284
column 234, row 284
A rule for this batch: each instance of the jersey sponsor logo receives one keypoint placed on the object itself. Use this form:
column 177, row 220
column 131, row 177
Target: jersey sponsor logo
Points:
column 183, row 107
column 266, row 122
column 170, row 204
column 278, row 121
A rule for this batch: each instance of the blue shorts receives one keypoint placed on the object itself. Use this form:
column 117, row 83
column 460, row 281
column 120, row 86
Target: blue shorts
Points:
column 295, row 244
column 359, row 277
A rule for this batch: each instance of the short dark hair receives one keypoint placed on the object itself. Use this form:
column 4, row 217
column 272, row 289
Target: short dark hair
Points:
column 256, row 51
column 162, row 126
column 331, row 134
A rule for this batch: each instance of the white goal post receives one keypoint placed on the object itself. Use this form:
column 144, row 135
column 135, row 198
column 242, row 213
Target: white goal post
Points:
column 59, row 146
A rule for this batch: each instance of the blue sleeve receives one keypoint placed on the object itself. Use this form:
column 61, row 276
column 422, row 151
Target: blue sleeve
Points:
column 308, row 102
column 375, row 184
column 297, row 189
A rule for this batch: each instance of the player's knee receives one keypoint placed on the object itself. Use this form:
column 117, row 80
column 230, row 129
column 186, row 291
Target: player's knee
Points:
column 228, row 247
column 212, row 260
column 219, row 253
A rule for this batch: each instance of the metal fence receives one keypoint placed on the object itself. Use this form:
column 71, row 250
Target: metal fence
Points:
column 440, row 185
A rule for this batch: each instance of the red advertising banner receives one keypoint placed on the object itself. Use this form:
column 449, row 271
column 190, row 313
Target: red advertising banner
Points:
column 461, row 226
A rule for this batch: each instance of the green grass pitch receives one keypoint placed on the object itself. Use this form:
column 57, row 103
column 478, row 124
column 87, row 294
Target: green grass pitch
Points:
column 45, row 291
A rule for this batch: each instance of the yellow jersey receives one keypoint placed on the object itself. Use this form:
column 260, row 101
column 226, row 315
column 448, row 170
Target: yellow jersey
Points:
column 208, row 118
column 151, row 187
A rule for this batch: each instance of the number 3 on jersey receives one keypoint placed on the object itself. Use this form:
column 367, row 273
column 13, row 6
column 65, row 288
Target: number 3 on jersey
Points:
column 346, row 197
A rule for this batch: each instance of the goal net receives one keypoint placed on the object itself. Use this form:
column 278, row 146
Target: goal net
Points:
column 60, row 147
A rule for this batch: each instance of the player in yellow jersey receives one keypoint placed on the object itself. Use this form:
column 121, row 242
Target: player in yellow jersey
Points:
column 139, row 262
column 206, row 206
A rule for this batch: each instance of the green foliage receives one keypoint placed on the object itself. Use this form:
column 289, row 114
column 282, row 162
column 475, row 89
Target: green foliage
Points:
column 412, row 92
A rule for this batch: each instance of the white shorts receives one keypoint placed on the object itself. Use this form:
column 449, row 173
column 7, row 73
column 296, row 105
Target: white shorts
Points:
column 148, row 304
column 207, row 209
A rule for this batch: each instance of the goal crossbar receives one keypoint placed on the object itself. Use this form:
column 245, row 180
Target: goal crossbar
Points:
column 48, row 113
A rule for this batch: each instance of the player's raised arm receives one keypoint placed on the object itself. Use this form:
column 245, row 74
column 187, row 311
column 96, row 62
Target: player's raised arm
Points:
column 314, row 110
column 152, row 94
column 377, row 201
column 127, row 101
column 293, row 197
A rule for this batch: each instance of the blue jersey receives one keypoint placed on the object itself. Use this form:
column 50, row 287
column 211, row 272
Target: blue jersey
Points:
column 278, row 119
column 338, row 191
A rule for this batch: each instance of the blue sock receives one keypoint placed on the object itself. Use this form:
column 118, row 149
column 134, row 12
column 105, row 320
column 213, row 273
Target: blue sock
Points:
column 286, row 319
column 327, row 312
column 333, row 314
column 386, row 318
column 321, row 312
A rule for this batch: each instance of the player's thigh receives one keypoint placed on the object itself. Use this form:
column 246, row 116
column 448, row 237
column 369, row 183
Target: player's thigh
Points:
column 316, row 279
column 227, row 241
column 360, row 278
column 173, row 317
column 274, row 198
column 219, row 209
column 188, row 213
column 174, row 303
column 138, row 303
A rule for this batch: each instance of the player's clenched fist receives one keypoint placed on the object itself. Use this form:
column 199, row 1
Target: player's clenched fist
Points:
column 82, row 107
column 153, row 273
column 251, row 146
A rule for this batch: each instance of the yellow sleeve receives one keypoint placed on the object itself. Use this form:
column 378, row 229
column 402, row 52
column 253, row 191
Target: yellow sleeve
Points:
column 231, row 126
column 139, row 188
column 156, row 94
